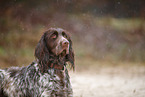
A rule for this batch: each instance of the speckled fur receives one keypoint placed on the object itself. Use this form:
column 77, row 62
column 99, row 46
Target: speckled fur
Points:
column 40, row 78
column 30, row 82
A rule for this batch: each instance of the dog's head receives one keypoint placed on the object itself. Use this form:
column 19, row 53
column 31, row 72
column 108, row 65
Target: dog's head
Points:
column 55, row 42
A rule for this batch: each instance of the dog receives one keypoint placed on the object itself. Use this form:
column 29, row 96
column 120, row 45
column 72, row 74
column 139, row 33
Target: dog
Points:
column 47, row 75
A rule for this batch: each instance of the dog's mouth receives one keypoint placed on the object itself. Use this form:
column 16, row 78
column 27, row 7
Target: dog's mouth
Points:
column 63, row 52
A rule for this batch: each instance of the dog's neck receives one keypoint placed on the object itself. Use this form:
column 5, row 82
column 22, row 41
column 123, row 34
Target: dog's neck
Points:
column 54, row 62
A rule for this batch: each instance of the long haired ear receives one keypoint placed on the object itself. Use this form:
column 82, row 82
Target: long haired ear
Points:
column 42, row 53
column 70, row 56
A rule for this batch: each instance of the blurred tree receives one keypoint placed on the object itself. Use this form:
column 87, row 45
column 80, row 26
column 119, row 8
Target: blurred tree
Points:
column 117, row 8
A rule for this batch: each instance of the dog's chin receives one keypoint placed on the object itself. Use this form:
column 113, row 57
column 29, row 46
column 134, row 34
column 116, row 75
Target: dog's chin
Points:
column 63, row 52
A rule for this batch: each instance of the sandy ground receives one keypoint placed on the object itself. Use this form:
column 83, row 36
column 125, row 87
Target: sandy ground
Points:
column 121, row 81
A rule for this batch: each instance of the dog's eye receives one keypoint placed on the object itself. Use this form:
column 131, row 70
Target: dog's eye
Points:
column 53, row 36
column 64, row 35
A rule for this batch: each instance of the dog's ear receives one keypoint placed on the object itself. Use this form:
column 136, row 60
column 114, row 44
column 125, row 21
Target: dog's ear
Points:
column 42, row 53
column 70, row 56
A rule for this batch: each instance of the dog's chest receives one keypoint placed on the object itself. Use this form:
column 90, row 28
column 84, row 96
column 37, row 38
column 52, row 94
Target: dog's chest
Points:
column 53, row 80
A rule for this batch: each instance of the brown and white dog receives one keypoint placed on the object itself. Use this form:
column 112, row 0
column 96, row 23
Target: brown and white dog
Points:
column 47, row 76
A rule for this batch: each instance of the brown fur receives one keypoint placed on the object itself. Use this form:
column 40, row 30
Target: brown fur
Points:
column 44, row 48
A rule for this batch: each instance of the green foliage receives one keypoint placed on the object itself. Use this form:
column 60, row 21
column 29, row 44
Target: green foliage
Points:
column 2, row 51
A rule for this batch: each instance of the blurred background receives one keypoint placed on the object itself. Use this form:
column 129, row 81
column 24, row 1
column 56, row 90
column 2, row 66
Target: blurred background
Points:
column 105, row 33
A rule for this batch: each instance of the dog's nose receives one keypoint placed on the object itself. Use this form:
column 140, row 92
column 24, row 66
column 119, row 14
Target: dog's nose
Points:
column 65, row 44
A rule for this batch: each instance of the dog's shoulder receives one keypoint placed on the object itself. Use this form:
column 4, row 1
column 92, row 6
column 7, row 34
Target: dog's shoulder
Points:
column 20, row 71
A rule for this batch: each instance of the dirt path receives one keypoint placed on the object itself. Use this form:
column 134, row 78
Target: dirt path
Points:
column 110, row 82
